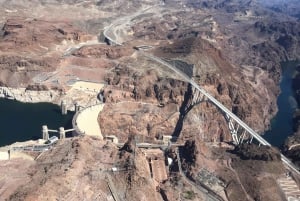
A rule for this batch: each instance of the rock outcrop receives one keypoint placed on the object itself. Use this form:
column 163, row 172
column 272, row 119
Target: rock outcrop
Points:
column 27, row 34
column 254, row 152
column 31, row 96
column 101, row 51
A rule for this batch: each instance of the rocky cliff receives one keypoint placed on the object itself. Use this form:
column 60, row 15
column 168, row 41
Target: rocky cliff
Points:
column 291, row 147
column 32, row 96
column 231, row 48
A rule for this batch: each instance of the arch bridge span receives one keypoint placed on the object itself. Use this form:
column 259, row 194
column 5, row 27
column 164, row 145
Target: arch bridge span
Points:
column 237, row 127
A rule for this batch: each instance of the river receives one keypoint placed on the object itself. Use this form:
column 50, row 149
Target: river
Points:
column 282, row 123
column 23, row 121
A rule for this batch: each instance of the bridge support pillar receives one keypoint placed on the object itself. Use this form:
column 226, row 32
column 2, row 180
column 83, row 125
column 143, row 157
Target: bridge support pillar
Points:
column 63, row 107
column 238, row 134
column 233, row 131
column 62, row 133
column 251, row 140
column 45, row 132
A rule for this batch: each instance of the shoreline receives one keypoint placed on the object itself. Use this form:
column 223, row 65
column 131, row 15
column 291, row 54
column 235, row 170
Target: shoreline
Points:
column 83, row 93
column 280, row 124
column 84, row 98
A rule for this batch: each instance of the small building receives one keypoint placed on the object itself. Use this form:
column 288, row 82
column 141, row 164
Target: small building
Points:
column 112, row 138
column 166, row 139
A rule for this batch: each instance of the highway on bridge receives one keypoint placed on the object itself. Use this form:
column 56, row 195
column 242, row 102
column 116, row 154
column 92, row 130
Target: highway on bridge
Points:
column 289, row 165
column 260, row 139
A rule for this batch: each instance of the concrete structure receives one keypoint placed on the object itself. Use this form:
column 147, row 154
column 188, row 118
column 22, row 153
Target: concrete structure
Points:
column 62, row 132
column 63, row 107
column 157, row 166
column 237, row 127
column 159, row 172
column 52, row 139
column 166, row 139
column 77, row 107
column 112, row 138
column 85, row 122
column 45, row 133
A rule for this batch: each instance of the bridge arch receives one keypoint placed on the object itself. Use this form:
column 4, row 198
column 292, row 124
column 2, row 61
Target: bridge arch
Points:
column 229, row 115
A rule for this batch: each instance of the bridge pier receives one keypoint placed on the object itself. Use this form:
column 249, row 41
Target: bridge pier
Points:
column 251, row 139
column 238, row 133
column 233, row 131
column 242, row 136
column 45, row 132
column 62, row 132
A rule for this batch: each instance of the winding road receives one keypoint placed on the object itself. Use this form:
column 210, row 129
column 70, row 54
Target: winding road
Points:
column 289, row 165
column 260, row 139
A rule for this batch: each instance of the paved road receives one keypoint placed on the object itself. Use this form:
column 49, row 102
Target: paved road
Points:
column 75, row 47
column 109, row 32
column 106, row 35
column 35, row 148
column 261, row 140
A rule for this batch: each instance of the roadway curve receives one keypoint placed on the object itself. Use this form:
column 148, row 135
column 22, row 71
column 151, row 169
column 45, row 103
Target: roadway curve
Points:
column 121, row 21
column 109, row 37
column 209, row 193
column 261, row 140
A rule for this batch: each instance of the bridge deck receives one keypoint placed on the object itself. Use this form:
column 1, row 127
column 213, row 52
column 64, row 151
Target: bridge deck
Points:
column 260, row 139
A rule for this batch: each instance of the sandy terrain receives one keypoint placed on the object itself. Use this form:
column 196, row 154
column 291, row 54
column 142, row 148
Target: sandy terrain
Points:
column 87, row 86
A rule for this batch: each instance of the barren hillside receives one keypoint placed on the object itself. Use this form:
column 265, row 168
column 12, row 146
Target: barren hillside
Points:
column 232, row 49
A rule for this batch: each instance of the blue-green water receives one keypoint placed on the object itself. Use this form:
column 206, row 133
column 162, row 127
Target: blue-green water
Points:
column 282, row 123
column 23, row 121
